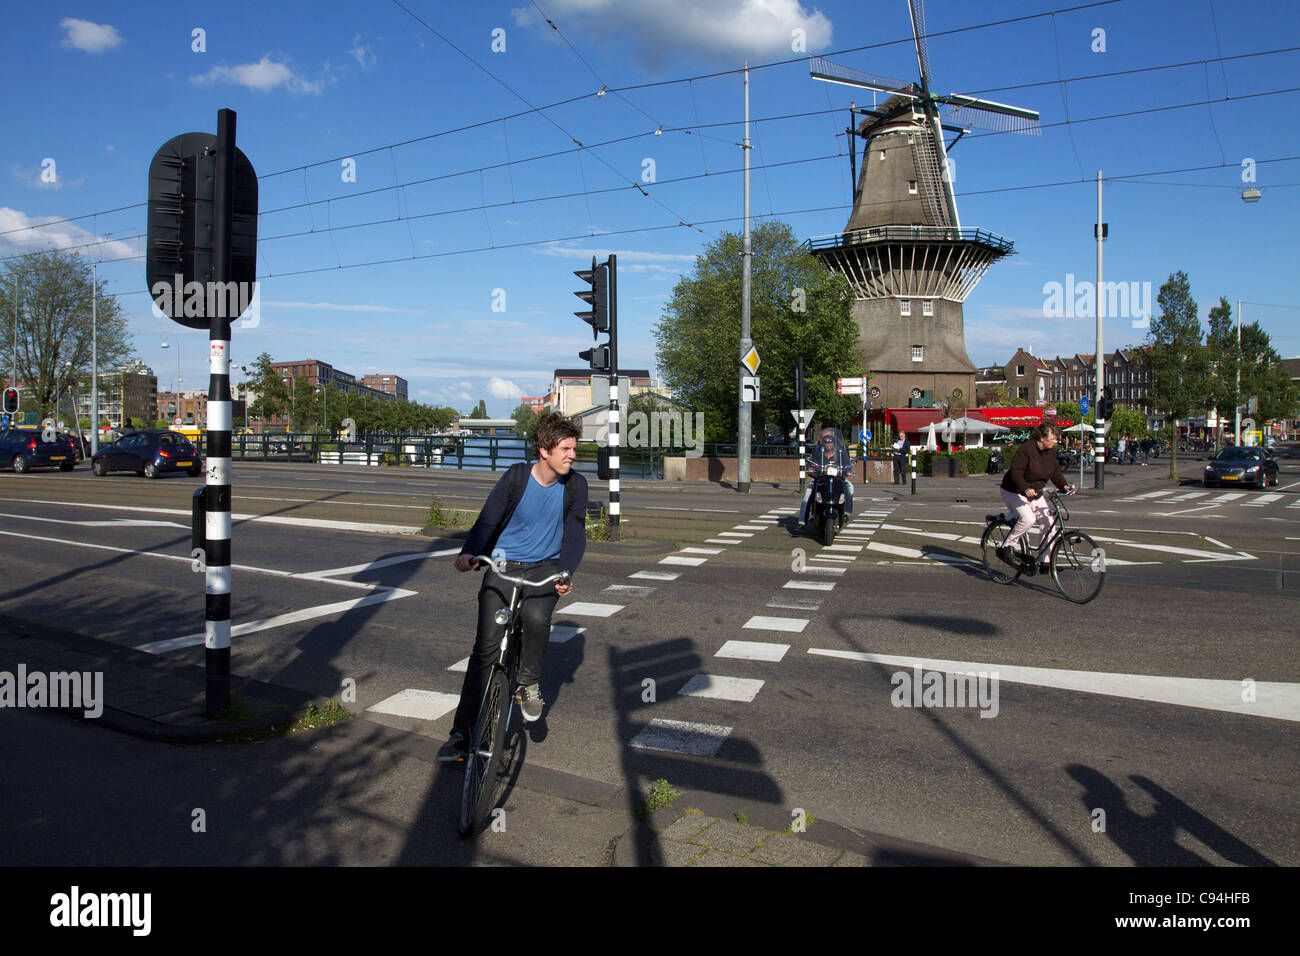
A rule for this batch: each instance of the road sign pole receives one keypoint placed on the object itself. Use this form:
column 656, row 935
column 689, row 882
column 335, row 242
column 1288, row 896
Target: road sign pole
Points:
column 217, row 523
column 614, row 494
column 913, row 450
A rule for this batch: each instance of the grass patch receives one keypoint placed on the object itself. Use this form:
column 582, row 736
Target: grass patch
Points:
column 808, row 821
column 741, row 818
column 309, row 718
column 598, row 524
column 662, row 794
column 440, row 516
column 693, row 811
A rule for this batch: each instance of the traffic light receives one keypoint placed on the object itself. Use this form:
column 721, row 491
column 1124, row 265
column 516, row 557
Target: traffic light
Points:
column 11, row 400
column 601, row 313
column 597, row 297
column 1107, row 404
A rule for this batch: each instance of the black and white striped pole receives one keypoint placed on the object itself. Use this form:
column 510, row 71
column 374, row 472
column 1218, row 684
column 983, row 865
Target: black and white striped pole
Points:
column 612, row 274
column 913, row 456
column 800, row 421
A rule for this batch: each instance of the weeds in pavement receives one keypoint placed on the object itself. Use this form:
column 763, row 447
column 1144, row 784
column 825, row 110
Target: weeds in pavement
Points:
column 662, row 794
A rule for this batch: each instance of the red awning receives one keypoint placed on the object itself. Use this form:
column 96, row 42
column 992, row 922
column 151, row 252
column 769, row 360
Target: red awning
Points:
column 1012, row 416
column 913, row 419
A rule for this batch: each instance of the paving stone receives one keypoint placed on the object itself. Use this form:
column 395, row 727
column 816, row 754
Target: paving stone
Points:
column 155, row 707
column 715, row 857
column 852, row 859
column 784, row 849
column 732, row 837
column 661, row 820
column 671, row 853
column 689, row 825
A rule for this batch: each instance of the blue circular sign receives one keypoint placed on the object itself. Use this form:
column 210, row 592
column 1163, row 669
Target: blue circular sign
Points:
column 864, row 434
column 1083, row 405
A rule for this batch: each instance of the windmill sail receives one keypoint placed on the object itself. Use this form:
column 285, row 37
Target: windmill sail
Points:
column 967, row 111
column 820, row 68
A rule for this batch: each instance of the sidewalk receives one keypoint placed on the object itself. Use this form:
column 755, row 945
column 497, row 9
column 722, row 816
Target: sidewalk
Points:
column 572, row 820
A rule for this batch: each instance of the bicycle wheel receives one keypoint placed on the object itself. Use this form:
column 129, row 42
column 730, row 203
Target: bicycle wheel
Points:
column 1078, row 567
column 997, row 569
column 478, row 793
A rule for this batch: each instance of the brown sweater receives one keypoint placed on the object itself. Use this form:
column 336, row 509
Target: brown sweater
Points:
column 1031, row 468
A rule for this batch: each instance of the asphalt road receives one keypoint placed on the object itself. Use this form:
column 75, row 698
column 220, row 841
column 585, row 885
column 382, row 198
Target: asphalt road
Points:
column 1200, row 591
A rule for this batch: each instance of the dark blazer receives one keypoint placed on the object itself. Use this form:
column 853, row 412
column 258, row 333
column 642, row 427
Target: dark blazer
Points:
column 500, row 506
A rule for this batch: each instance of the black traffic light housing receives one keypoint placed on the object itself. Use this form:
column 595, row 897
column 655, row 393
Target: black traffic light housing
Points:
column 11, row 400
column 1107, row 404
column 597, row 357
column 602, row 314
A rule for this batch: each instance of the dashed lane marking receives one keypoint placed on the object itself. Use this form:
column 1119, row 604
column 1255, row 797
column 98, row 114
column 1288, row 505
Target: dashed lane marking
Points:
column 742, row 689
column 688, row 562
column 810, row 585
column 753, row 650
column 656, row 575
column 796, row 604
column 422, row 704
column 589, row 609
column 814, row 569
column 794, row 625
column 681, row 737
column 631, row 590
column 701, row 550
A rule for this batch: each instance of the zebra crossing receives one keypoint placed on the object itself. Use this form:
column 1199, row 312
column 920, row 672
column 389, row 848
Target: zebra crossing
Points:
column 1211, row 498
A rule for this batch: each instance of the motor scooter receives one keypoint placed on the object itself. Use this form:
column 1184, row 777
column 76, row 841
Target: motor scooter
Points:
column 829, row 464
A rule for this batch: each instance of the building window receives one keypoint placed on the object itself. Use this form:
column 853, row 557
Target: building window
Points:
column 904, row 306
column 1020, row 371
column 918, row 353
column 1022, row 392
column 927, row 307
column 911, row 187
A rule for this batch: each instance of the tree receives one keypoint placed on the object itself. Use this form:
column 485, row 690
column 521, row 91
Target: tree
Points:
column 1126, row 422
column 1179, row 364
column 480, row 410
column 797, row 308
column 525, row 420
column 54, row 297
column 273, row 395
column 999, row 396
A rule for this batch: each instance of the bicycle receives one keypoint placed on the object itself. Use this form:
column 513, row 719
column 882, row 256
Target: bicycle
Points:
column 1078, row 566
column 487, row 740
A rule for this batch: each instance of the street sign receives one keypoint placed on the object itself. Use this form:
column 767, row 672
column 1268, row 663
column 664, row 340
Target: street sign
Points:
column 850, row 389
column 1050, row 412
column 4, row 421
column 600, row 390
column 1083, row 405
column 864, row 434
column 851, row 382
column 751, row 361
column 749, row 388
column 803, row 416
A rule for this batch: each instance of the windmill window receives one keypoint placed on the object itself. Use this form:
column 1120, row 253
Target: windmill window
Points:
column 911, row 187
column 927, row 307
column 904, row 306
column 918, row 353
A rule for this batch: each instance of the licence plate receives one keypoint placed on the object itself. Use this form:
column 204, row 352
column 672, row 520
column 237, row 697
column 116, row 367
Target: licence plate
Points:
column 184, row 464
column 58, row 457
column 1230, row 477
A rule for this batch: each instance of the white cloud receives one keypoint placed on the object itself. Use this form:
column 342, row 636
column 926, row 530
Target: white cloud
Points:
column 500, row 388
column 674, row 29
column 89, row 37
column 60, row 236
column 262, row 76
column 362, row 53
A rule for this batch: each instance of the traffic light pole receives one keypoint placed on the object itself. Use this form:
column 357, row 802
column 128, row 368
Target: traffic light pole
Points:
column 216, row 537
column 803, row 433
column 614, row 531
column 745, row 423
column 1099, row 424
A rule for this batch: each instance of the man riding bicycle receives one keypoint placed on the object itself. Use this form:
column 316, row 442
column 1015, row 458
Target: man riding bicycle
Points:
column 1033, row 465
column 535, row 518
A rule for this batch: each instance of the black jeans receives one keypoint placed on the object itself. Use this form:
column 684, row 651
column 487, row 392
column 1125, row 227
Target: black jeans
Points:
column 536, row 607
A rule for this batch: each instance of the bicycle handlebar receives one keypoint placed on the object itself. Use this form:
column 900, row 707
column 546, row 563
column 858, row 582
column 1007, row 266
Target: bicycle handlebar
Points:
column 563, row 576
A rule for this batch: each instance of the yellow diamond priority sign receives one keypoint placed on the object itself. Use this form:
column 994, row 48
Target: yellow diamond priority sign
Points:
column 751, row 360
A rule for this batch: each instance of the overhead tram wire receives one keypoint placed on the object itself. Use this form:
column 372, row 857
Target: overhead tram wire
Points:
column 684, row 129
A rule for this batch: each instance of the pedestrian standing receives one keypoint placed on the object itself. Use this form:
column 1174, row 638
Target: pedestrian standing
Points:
column 902, row 451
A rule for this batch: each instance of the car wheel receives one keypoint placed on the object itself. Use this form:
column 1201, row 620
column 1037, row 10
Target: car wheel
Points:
column 100, row 468
column 150, row 470
column 21, row 465
column 66, row 466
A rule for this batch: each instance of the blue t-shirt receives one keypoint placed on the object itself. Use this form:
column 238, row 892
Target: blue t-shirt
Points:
column 535, row 532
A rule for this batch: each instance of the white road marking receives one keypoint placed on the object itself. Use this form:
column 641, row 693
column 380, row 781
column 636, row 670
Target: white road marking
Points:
column 811, row 585
column 588, row 609
column 1219, row 543
column 937, row 535
column 893, row 549
column 786, row 511
column 753, row 650
column 461, row 666
column 656, row 575
column 1190, row 495
column 1230, row 496
column 749, row 527
column 421, row 704
column 1277, row 700
column 381, row 563
column 792, row 624
column 563, row 632
column 701, row 551
column 735, row 534
column 796, row 604
column 1260, row 501
column 843, row 547
column 722, row 541
column 681, row 737
column 688, row 562
column 814, row 569
column 631, row 590
column 115, row 523
column 743, row 689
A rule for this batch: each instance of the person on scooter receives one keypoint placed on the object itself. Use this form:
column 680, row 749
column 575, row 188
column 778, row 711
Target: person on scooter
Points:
column 830, row 450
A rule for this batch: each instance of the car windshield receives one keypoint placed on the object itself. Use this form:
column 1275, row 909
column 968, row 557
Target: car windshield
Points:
column 1238, row 453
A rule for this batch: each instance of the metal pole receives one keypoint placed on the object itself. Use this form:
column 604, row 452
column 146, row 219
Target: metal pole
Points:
column 746, row 425
column 803, row 432
column 913, row 450
column 1237, row 394
column 217, row 532
column 94, row 362
column 1099, row 436
column 615, row 507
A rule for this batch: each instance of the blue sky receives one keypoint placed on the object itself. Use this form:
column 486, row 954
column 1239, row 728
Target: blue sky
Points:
column 98, row 87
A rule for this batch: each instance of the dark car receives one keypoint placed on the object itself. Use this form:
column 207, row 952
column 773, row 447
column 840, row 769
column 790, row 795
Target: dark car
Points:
column 149, row 453
column 23, row 449
column 1242, row 465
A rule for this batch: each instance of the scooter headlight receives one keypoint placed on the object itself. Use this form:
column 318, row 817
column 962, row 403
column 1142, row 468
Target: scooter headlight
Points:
column 819, row 497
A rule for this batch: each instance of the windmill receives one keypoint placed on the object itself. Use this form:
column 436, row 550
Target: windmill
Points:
column 904, row 250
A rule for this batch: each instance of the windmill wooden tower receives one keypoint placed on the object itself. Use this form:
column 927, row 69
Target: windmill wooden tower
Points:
column 904, row 250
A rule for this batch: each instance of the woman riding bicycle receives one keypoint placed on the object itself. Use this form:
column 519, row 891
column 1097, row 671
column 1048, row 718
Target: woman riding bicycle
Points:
column 1032, row 467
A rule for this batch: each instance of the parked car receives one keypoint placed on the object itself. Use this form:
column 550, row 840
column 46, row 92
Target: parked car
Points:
column 1242, row 465
column 23, row 449
column 149, row 453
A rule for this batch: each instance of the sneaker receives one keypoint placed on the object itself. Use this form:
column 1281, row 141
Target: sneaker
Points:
column 455, row 749
column 530, row 702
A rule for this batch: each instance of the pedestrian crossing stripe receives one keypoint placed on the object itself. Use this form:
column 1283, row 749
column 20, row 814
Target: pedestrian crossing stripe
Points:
column 420, row 704
column 682, row 737
column 588, row 609
column 792, row 624
column 753, row 650
column 740, row 689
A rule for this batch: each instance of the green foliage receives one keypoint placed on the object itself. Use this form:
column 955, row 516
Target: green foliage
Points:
column 54, row 325
column 797, row 308
column 480, row 410
column 662, row 794
column 1000, row 397
column 971, row 461
column 1126, row 422
column 1180, row 367
column 597, row 525
column 525, row 420
column 440, row 516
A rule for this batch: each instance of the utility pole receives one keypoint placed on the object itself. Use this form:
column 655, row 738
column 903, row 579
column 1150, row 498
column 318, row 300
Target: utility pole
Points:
column 1237, row 393
column 94, row 361
column 1099, row 435
column 746, row 343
